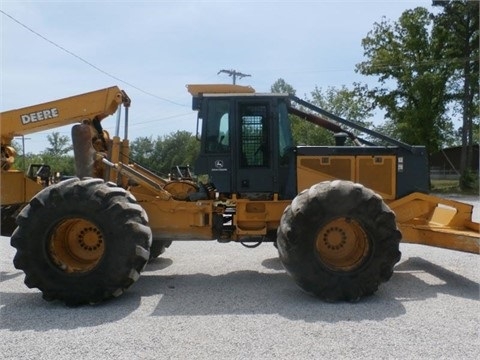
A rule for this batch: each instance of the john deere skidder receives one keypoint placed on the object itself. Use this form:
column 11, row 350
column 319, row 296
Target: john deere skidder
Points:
column 336, row 213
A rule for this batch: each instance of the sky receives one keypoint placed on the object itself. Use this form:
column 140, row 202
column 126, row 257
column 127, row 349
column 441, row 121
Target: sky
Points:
column 153, row 49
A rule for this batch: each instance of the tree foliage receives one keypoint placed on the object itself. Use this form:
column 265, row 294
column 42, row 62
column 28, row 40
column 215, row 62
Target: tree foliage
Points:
column 306, row 133
column 281, row 86
column 460, row 20
column 142, row 151
column 160, row 155
column 59, row 145
column 350, row 104
column 56, row 155
column 303, row 132
column 408, row 58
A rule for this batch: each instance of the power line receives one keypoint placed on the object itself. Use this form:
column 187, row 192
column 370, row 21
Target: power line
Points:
column 89, row 63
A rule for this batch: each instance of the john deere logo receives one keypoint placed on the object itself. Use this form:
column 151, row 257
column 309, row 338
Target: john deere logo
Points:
column 218, row 166
column 39, row 116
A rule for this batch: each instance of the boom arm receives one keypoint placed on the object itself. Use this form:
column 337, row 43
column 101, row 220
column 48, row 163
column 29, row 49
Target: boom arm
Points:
column 351, row 124
column 75, row 109
column 88, row 109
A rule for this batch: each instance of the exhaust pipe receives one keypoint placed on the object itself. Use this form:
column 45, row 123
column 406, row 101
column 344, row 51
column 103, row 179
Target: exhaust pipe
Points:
column 83, row 150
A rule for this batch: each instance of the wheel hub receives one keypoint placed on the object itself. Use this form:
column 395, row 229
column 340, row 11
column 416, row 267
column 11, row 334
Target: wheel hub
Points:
column 342, row 244
column 334, row 238
column 90, row 239
column 76, row 245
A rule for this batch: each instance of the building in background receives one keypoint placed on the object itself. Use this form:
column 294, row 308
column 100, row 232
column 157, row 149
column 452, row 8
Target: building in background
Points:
column 445, row 164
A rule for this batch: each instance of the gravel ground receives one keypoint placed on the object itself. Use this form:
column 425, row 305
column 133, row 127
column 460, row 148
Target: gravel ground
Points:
column 205, row 300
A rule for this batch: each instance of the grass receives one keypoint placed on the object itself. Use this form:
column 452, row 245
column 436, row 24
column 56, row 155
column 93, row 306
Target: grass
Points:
column 452, row 186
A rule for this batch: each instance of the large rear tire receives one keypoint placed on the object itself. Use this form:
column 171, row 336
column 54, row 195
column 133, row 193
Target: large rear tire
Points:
column 81, row 241
column 339, row 241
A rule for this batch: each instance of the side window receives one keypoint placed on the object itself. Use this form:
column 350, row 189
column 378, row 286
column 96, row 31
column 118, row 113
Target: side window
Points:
column 285, row 142
column 254, row 146
column 217, row 127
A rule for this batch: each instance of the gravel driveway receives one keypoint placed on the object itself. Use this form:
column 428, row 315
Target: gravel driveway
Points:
column 205, row 300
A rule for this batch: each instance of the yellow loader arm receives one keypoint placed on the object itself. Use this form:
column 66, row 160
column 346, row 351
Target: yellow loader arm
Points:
column 96, row 104
column 88, row 108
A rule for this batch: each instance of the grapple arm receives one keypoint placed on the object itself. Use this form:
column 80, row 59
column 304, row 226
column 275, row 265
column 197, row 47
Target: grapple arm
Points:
column 431, row 220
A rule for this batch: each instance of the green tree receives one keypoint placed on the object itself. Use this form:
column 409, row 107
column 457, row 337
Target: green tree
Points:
column 303, row 132
column 281, row 86
column 142, row 151
column 353, row 105
column 350, row 104
column 59, row 144
column 160, row 155
column 407, row 56
column 64, row 164
column 460, row 20
column 179, row 148
column 18, row 160
column 56, row 156
column 58, row 164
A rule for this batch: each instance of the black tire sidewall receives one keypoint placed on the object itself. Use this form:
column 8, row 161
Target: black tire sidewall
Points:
column 315, row 207
column 112, row 215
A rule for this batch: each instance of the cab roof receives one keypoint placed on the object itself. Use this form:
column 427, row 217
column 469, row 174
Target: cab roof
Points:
column 198, row 89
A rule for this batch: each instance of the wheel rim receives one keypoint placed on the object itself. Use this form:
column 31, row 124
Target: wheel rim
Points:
column 342, row 244
column 76, row 245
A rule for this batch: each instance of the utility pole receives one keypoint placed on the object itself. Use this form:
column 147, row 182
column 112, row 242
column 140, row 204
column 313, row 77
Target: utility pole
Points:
column 234, row 74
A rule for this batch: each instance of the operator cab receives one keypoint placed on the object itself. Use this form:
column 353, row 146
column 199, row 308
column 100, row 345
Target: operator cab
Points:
column 246, row 144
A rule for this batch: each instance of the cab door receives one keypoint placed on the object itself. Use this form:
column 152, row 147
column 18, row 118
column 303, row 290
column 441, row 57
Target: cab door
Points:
column 254, row 147
column 215, row 157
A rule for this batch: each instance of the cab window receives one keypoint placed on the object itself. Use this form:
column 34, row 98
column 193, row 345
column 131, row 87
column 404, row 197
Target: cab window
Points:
column 254, row 144
column 217, row 127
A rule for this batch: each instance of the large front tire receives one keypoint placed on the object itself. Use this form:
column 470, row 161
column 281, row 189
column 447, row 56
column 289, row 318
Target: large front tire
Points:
column 339, row 241
column 81, row 241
